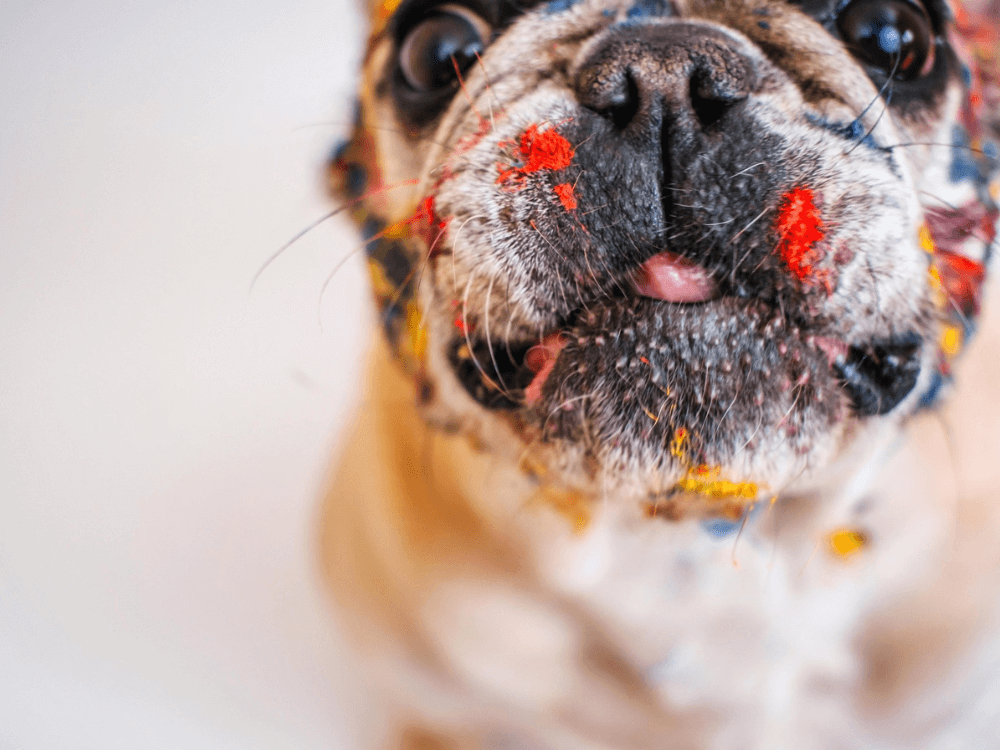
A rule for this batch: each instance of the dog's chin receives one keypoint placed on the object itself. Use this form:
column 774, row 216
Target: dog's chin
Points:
column 669, row 377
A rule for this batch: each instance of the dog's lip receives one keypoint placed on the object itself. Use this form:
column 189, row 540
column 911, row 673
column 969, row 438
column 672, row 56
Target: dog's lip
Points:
column 666, row 276
column 540, row 360
column 671, row 277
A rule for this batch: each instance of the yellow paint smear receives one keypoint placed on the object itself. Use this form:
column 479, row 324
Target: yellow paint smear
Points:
column 951, row 341
column 397, row 231
column 718, row 489
column 418, row 333
column 678, row 446
column 926, row 240
column 382, row 14
column 570, row 504
column 381, row 285
column 847, row 542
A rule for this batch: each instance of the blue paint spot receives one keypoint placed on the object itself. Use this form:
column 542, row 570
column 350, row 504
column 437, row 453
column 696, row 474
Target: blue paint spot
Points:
column 852, row 131
column 963, row 166
column 397, row 264
column 608, row 13
column 371, row 227
column 967, row 76
column 855, row 131
column 648, row 9
column 720, row 528
column 339, row 150
column 356, row 180
column 932, row 394
column 558, row 6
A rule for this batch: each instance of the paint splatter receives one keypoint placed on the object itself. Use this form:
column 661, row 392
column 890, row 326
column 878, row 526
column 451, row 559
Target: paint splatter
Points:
column 962, row 279
column 470, row 141
column 424, row 223
column 459, row 321
column 706, row 481
column 846, row 542
column 800, row 228
column 538, row 150
column 566, row 196
column 679, row 444
column 572, row 505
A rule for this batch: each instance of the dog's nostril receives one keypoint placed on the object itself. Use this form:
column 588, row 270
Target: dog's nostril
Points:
column 625, row 112
column 709, row 105
column 880, row 376
column 616, row 98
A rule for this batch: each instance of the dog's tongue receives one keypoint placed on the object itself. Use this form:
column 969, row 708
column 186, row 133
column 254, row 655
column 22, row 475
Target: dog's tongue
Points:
column 666, row 276
column 670, row 277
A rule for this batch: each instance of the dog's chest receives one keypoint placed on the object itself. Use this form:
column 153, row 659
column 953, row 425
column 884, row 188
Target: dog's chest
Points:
column 763, row 620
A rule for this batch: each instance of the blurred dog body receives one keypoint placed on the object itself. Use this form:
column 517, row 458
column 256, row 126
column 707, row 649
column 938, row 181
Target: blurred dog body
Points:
column 674, row 485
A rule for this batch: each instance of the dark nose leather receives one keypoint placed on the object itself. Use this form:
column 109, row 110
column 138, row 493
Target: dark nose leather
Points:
column 675, row 79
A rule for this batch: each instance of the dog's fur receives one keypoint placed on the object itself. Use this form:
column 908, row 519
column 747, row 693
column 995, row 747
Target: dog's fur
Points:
column 681, row 524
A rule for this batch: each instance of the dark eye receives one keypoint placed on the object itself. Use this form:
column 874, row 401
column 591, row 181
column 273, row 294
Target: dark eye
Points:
column 452, row 37
column 894, row 36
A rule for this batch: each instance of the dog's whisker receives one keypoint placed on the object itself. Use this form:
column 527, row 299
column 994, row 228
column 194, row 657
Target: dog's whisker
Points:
column 468, row 338
column 885, row 108
column 324, row 218
column 490, row 91
column 326, row 282
column 489, row 342
column 747, row 169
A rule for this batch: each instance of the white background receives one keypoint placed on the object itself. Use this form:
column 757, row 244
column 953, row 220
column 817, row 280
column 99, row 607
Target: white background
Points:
column 164, row 435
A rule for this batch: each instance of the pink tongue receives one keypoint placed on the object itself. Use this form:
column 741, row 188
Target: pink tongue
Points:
column 670, row 277
column 666, row 276
column 540, row 360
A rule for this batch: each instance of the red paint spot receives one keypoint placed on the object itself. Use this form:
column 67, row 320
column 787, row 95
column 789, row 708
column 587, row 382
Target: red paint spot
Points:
column 962, row 279
column 428, row 226
column 459, row 320
column 566, row 196
column 469, row 142
column 538, row 150
column 799, row 228
column 460, row 325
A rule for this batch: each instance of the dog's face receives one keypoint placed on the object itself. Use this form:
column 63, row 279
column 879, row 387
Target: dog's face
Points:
column 675, row 248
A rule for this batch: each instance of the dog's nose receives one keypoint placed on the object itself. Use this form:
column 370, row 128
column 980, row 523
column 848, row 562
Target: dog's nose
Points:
column 681, row 77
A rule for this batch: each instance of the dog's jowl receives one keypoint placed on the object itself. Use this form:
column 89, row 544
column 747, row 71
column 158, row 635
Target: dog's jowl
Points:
column 663, row 289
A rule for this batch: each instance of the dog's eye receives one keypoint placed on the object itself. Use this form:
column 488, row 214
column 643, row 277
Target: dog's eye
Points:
column 441, row 47
column 894, row 36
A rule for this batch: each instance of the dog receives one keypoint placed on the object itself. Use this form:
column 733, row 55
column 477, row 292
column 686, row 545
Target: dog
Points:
column 671, row 292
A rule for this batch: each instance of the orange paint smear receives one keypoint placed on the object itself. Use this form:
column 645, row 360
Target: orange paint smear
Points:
column 800, row 227
column 538, row 150
column 566, row 196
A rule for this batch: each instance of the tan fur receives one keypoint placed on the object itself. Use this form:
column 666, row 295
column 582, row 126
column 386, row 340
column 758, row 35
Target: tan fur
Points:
column 400, row 523
column 507, row 593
